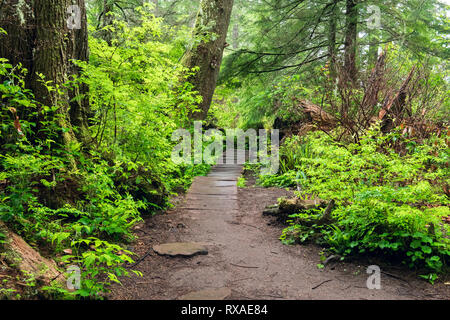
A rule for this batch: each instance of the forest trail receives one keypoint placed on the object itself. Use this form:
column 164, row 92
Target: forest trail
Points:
column 245, row 259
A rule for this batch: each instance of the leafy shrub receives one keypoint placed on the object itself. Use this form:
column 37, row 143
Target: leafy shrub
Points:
column 72, row 200
column 387, row 203
column 103, row 214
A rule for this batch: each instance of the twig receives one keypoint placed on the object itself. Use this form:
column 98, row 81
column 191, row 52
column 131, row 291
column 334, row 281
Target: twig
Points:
column 3, row 263
column 56, row 277
column 243, row 296
column 394, row 276
column 347, row 287
column 22, row 284
column 323, row 282
column 330, row 259
column 271, row 296
column 249, row 225
column 330, row 207
column 142, row 258
column 248, row 267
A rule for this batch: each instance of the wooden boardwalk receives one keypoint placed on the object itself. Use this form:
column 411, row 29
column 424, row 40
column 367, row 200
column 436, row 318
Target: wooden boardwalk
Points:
column 218, row 190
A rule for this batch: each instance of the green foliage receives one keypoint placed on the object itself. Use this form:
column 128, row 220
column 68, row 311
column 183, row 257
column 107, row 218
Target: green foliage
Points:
column 135, row 95
column 388, row 204
column 285, row 57
column 75, row 200
column 3, row 239
column 242, row 183
column 104, row 213
column 223, row 112
column 292, row 152
column 99, row 260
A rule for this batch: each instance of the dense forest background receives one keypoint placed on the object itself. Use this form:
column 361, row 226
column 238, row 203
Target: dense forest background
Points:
column 92, row 91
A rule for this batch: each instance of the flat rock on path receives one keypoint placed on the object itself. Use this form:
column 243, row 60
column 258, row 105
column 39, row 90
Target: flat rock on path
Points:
column 183, row 249
column 208, row 294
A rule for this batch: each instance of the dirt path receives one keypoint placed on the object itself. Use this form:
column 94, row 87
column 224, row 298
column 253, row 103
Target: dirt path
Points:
column 245, row 254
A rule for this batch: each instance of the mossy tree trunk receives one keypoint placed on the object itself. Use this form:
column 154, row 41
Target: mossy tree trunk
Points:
column 212, row 23
column 40, row 39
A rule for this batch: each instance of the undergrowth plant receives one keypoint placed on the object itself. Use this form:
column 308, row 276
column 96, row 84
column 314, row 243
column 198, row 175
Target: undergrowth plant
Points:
column 76, row 201
column 387, row 204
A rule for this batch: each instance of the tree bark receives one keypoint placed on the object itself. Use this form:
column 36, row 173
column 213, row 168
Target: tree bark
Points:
column 332, row 40
column 213, row 21
column 39, row 37
column 351, row 35
column 78, row 49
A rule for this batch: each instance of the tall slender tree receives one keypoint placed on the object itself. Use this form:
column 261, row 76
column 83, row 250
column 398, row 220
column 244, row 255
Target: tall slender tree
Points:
column 351, row 35
column 211, row 27
column 332, row 38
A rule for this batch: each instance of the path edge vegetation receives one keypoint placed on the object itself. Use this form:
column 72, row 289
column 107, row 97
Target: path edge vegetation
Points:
column 72, row 185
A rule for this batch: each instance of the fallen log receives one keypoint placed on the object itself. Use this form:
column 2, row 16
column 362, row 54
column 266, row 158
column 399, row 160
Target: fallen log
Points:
column 24, row 258
column 313, row 118
column 317, row 115
column 296, row 205
column 287, row 207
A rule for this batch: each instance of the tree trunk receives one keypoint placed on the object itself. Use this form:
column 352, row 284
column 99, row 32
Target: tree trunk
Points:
column 332, row 40
column 107, row 20
column 212, row 21
column 373, row 47
column 351, row 35
column 17, row 19
column 78, row 49
column 43, row 37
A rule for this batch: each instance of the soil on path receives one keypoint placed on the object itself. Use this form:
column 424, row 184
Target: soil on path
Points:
column 245, row 254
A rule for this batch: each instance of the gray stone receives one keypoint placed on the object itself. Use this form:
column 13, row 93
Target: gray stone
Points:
column 187, row 249
column 208, row 294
